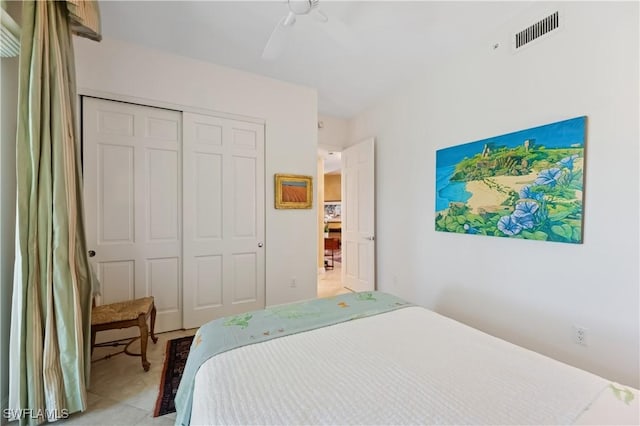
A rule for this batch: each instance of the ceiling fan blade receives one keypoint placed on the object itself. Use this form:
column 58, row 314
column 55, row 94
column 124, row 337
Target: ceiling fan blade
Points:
column 279, row 37
column 319, row 15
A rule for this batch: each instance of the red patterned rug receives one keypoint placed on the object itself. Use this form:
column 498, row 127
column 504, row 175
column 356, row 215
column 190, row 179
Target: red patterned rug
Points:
column 174, row 362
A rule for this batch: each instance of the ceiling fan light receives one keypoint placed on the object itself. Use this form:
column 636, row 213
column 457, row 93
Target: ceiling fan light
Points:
column 301, row 7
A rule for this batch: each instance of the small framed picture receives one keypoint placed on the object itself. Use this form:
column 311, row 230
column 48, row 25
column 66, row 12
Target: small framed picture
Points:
column 332, row 211
column 293, row 191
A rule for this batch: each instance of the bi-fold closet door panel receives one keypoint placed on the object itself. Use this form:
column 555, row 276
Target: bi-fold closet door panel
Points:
column 224, row 258
column 174, row 206
column 132, row 190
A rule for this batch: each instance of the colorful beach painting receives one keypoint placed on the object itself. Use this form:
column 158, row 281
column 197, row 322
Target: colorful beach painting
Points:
column 526, row 184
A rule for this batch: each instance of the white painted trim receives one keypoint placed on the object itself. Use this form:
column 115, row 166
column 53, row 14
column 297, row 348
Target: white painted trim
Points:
column 83, row 91
column 321, row 270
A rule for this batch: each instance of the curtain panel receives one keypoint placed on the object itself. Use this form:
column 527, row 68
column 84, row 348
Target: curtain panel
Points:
column 51, row 307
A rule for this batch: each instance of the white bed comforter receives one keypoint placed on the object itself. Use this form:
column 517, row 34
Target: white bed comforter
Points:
column 409, row 366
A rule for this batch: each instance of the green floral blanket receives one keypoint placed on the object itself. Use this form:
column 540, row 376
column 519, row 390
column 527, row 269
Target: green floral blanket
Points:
column 229, row 333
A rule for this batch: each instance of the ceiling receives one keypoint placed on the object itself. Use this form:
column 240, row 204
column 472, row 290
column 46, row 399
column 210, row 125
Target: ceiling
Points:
column 332, row 162
column 391, row 42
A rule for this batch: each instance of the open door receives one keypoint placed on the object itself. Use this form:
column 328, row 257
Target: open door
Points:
column 358, row 216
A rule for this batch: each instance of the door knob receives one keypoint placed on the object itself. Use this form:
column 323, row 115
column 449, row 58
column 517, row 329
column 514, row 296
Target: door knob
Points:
column 260, row 244
column 370, row 238
column 92, row 253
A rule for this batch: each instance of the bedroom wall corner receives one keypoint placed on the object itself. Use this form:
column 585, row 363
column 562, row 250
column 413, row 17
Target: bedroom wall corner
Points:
column 527, row 292
column 8, row 110
column 334, row 132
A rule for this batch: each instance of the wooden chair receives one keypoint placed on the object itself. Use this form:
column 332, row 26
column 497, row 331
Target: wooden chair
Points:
column 131, row 313
column 330, row 245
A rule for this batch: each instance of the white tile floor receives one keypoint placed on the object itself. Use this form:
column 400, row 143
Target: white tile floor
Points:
column 122, row 393
column 330, row 282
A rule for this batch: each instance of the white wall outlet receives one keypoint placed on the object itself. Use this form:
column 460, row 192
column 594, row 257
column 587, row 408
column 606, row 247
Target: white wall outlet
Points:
column 580, row 335
column 293, row 283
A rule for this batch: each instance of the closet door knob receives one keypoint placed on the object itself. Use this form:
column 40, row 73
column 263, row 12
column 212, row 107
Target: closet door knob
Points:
column 92, row 253
column 260, row 244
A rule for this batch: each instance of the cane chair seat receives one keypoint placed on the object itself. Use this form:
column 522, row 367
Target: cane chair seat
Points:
column 130, row 313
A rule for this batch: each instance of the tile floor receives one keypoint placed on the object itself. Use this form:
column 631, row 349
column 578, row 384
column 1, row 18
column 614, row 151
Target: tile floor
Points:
column 122, row 393
column 330, row 282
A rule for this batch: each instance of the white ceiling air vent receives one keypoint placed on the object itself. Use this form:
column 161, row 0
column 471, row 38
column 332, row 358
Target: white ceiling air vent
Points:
column 9, row 36
column 537, row 30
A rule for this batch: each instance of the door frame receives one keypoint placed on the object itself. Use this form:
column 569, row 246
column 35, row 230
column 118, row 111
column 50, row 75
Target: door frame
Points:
column 320, row 242
column 117, row 97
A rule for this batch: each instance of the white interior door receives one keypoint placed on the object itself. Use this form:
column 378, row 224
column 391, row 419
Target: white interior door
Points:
column 358, row 216
column 132, row 192
column 224, row 258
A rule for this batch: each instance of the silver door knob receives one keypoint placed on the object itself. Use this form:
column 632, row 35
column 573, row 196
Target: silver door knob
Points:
column 370, row 238
column 260, row 244
column 92, row 253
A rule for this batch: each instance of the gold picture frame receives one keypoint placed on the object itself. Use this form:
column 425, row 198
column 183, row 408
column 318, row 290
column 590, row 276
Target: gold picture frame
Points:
column 293, row 191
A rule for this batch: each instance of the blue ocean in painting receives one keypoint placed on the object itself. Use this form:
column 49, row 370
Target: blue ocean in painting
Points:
column 446, row 191
column 563, row 134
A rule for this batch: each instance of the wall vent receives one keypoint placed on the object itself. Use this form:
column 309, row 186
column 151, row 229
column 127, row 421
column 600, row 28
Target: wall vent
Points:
column 537, row 30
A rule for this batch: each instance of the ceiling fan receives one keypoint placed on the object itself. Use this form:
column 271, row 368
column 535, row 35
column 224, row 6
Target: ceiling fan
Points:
column 279, row 37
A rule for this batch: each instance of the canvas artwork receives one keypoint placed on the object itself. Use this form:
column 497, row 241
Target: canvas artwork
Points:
column 527, row 184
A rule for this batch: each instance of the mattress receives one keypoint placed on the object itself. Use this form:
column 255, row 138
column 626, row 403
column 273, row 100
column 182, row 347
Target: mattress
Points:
column 407, row 366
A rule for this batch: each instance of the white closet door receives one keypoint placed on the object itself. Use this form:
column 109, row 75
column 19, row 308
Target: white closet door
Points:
column 132, row 192
column 223, row 208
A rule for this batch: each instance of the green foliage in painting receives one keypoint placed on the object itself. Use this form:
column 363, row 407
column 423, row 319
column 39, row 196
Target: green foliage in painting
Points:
column 547, row 210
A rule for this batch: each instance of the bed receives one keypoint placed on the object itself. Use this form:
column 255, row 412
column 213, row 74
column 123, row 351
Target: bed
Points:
column 373, row 359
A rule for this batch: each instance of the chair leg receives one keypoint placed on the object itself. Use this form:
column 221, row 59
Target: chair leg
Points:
column 153, row 324
column 144, row 337
column 93, row 339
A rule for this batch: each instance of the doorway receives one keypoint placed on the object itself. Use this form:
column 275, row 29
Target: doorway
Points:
column 357, row 218
column 330, row 271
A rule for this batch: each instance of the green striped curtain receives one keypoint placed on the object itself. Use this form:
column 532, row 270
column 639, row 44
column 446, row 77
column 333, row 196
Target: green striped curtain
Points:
column 51, row 307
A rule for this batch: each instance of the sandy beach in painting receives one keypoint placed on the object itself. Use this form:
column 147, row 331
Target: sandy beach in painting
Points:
column 489, row 199
column 484, row 197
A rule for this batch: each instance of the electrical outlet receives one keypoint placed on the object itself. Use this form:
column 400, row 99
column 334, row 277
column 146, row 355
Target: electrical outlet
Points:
column 580, row 335
column 293, row 283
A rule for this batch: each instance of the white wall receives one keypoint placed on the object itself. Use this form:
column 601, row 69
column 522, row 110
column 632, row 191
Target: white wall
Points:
column 290, row 113
column 8, row 109
column 527, row 292
column 334, row 133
